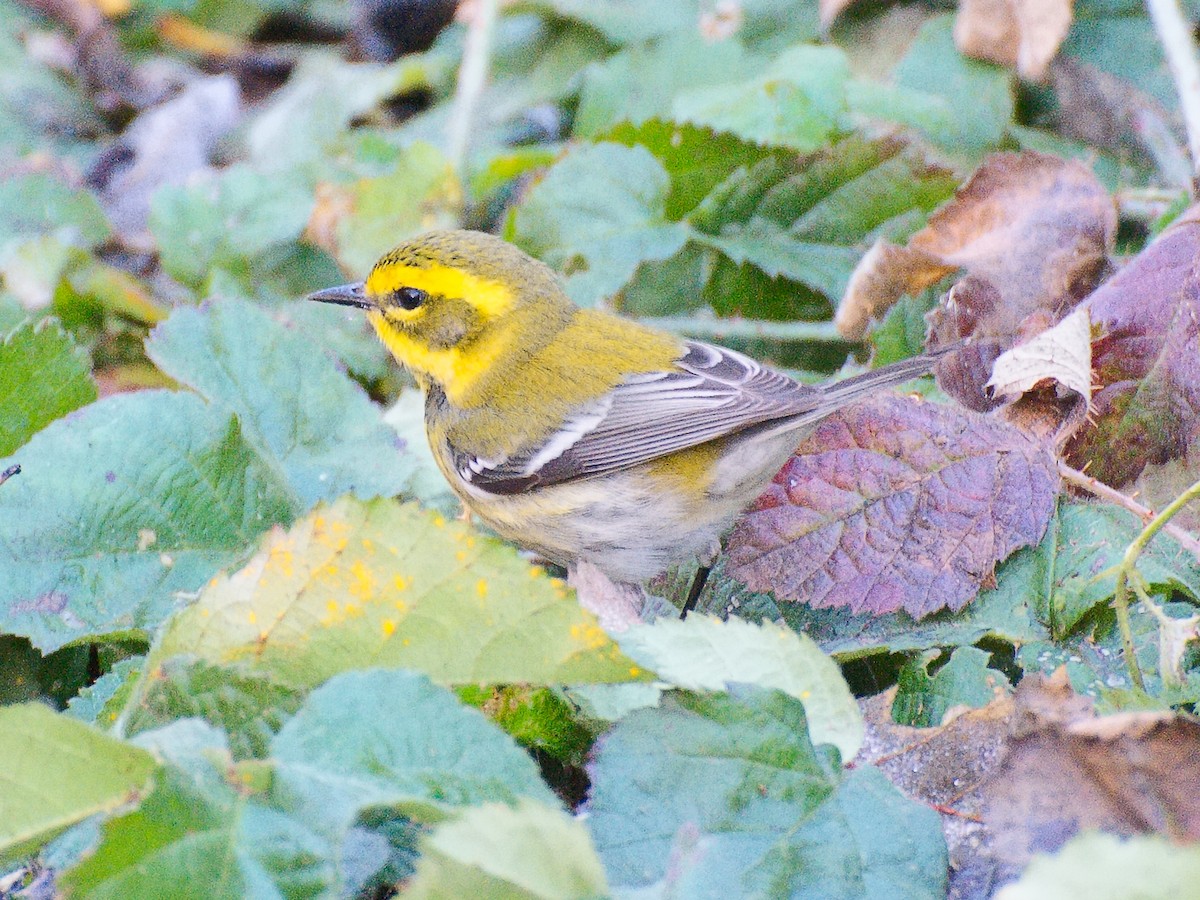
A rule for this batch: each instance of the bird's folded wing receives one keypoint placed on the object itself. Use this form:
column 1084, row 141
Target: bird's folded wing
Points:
column 713, row 393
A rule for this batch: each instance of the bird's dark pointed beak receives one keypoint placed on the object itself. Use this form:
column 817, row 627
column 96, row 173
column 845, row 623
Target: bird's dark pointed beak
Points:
column 344, row 295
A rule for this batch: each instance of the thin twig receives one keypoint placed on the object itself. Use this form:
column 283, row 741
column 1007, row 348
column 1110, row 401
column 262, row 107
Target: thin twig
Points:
column 9, row 473
column 472, row 77
column 1093, row 486
column 1127, row 571
column 1179, row 48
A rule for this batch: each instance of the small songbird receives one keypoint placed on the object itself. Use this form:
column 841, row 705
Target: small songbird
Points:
column 579, row 434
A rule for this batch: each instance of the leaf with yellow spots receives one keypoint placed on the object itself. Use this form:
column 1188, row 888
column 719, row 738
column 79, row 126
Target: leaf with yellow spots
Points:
column 357, row 585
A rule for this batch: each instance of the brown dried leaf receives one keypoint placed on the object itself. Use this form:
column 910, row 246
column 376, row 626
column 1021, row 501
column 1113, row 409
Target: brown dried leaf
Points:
column 1066, row 772
column 896, row 504
column 1020, row 34
column 1031, row 233
column 884, row 274
column 1146, row 360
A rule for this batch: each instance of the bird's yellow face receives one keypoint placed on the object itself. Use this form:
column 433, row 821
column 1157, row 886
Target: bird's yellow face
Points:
column 443, row 304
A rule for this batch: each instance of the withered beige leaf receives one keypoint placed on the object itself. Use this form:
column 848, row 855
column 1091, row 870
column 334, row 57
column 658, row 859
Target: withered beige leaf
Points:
column 1021, row 34
column 1062, row 353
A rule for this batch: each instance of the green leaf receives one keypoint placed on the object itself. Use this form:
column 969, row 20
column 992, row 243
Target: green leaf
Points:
column 624, row 21
column 100, row 703
column 728, row 798
column 597, row 215
column 696, row 159
column 200, row 834
column 642, row 82
column 303, row 417
column 704, row 653
column 421, row 193
column 922, row 700
column 821, row 267
column 427, row 484
column 249, row 709
column 927, row 93
column 392, row 739
column 227, row 221
column 1106, row 867
column 793, row 230
column 43, row 376
column 305, row 118
column 39, row 204
column 40, row 112
column 55, row 772
column 120, row 506
column 496, row 851
column 387, row 584
column 538, row 718
column 798, row 102
column 1072, row 570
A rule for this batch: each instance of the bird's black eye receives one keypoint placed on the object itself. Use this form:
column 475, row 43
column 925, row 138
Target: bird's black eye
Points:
column 410, row 298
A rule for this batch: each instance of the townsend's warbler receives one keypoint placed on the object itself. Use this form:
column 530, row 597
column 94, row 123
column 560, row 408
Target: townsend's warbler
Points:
column 575, row 433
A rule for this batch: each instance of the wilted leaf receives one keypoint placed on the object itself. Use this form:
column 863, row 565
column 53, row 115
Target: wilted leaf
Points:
column 896, row 504
column 42, row 376
column 704, row 653
column 1067, row 772
column 55, row 772
column 1146, row 360
column 964, row 682
column 386, row 584
column 1020, row 34
column 527, row 851
column 1062, row 353
column 727, row 797
column 1032, row 233
column 1105, row 867
column 945, row 766
column 597, row 215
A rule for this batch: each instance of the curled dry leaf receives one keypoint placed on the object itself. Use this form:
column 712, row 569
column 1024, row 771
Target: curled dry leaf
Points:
column 1048, row 379
column 896, row 504
column 1021, row 34
column 1062, row 353
column 1031, row 233
column 1146, row 360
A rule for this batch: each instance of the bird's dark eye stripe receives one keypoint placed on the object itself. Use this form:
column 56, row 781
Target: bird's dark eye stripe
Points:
column 410, row 297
